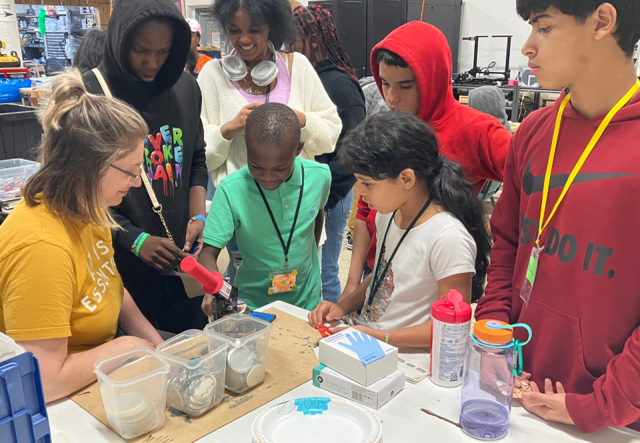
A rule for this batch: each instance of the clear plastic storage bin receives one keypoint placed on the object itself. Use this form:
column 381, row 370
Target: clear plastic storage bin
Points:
column 197, row 371
column 133, row 385
column 248, row 340
column 9, row 348
column 13, row 175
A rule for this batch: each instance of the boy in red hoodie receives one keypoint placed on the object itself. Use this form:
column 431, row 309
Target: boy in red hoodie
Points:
column 583, row 300
column 412, row 68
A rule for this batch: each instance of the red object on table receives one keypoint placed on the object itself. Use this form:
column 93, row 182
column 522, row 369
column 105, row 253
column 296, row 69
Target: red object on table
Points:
column 211, row 281
column 4, row 72
column 324, row 330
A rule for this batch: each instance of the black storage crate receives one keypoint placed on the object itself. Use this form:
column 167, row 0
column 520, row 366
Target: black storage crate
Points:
column 20, row 132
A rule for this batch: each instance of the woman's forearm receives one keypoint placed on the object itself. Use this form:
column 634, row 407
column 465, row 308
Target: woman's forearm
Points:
column 135, row 323
column 62, row 373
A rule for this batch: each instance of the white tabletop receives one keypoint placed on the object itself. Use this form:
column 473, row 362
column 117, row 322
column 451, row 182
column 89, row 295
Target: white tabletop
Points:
column 402, row 420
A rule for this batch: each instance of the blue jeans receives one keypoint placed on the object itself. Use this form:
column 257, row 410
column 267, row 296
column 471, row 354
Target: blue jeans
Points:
column 330, row 252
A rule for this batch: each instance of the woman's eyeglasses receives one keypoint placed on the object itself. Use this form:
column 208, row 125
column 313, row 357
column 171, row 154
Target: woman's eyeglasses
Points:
column 134, row 177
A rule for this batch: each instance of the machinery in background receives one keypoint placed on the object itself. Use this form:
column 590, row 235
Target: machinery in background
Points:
column 8, row 61
column 484, row 76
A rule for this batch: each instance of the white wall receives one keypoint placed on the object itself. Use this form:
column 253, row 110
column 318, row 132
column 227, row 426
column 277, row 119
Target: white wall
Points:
column 190, row 7
column 492, row 17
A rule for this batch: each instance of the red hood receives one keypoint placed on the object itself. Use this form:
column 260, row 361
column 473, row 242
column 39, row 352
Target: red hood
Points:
column 426, row 51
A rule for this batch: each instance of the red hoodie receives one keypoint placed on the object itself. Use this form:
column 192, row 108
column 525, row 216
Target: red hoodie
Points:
column 584, row 309
column 477, row 141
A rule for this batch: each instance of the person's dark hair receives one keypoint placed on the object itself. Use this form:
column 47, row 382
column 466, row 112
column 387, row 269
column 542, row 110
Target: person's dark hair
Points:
column 276, row 14
column 386, row 144
column 628, row 32
column 192, row 62
column 315, row 23
column 272, row 123
column 390, row 58
column 90, row 51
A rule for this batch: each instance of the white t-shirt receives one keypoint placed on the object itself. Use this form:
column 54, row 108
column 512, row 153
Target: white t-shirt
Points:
column 437, row 249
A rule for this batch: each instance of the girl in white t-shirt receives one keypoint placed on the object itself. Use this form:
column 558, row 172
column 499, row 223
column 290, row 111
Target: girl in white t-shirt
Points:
column 432, row 235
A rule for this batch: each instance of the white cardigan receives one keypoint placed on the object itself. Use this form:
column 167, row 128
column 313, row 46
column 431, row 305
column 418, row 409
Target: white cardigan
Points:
column 221, row 102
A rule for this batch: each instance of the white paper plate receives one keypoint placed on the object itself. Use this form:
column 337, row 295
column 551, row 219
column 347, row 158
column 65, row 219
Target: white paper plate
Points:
column 316, row 420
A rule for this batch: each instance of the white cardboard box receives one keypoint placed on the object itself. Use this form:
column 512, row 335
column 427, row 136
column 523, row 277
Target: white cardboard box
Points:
column 358, row 356
column 373, row 396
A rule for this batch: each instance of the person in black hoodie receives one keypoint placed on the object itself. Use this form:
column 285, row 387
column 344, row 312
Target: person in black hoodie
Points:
column 146, row 50
column 318, row 41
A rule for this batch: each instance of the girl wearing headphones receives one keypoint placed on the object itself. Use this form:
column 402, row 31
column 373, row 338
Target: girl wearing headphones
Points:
column 256, row 73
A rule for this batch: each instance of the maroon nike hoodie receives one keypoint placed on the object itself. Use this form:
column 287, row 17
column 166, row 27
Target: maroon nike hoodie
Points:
column 584, row 308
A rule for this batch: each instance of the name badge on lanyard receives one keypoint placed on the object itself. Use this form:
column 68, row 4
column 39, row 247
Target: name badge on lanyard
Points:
column 532, row 269
column 285, row 279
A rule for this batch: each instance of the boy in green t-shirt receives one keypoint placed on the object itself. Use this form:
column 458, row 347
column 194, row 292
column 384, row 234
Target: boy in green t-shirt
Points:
column 274, row 205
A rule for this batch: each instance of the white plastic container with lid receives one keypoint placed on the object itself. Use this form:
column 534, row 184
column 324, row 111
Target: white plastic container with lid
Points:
column 450, row 326
column 9, row 348
column 197, row 371
column 133, row 385
column 248, row 339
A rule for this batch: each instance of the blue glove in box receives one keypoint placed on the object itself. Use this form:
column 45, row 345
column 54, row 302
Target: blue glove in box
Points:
column 23, row 412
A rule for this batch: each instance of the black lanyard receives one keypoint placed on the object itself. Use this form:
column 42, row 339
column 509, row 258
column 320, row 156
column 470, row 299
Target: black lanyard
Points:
column 295, row 218
column 377, row 279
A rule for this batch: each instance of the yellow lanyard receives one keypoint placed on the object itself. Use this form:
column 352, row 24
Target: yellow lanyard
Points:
column 583, row 158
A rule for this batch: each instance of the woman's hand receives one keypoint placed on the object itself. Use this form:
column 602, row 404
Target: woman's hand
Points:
column 237, row 125
column 302, row 117
column 325, row 311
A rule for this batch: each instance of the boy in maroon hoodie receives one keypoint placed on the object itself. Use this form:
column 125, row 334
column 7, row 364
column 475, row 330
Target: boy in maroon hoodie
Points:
column 412, row 68
column 583, row 300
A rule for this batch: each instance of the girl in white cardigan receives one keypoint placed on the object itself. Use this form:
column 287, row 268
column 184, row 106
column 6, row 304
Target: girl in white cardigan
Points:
column 226, row 104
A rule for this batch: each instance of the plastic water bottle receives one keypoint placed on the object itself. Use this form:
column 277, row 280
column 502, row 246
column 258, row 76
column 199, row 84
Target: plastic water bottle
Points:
column 488, row 381
column 450, row 323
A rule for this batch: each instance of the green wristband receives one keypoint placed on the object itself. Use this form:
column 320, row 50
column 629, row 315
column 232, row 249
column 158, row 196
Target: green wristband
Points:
column 143, row 237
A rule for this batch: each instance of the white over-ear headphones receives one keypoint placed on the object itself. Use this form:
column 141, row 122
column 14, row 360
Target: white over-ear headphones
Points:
column 263, row 74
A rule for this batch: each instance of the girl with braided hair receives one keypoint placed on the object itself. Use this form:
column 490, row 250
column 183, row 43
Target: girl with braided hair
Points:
column 318, row 41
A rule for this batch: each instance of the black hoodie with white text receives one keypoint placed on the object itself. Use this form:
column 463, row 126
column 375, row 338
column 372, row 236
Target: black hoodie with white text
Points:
column 174, row 154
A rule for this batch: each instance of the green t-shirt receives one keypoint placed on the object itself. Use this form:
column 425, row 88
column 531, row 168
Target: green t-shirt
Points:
column 237, row 206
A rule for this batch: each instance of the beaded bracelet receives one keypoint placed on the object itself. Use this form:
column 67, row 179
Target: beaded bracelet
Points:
column 197, row 217
column 135, row 243
column 140, row 242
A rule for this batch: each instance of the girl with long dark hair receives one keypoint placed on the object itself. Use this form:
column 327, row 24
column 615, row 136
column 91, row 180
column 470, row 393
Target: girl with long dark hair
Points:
column 432, row 234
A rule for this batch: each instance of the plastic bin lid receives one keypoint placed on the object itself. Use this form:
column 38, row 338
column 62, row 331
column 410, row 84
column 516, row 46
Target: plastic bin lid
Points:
column 191, row 348
column 23, row 414
column 120, row 369
column 9, row 348
column 238, row 329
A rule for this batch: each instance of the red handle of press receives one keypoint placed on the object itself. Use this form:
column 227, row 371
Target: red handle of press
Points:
column 211, row 281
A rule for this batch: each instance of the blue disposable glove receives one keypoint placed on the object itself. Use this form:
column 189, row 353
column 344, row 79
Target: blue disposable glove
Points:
column 312, row 405
column 367, row 347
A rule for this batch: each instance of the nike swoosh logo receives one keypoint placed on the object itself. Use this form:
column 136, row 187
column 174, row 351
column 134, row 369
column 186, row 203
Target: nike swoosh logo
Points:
column 532, row 184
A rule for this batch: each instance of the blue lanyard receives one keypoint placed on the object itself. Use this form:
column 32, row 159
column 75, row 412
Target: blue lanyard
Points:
column 516, row 344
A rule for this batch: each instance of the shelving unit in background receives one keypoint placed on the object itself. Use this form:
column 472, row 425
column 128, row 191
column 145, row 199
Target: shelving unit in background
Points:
column 65, row 30
column 516, row 112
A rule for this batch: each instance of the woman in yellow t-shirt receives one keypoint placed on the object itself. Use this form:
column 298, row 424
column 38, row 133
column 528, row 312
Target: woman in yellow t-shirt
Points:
column 61, row 296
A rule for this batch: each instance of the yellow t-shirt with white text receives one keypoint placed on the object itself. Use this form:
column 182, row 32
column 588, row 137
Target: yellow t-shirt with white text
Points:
column 57, row 279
